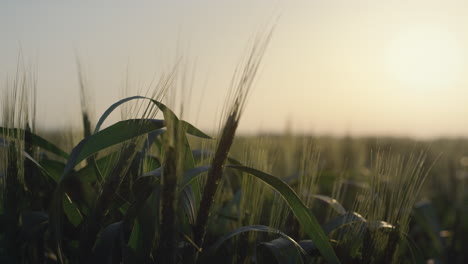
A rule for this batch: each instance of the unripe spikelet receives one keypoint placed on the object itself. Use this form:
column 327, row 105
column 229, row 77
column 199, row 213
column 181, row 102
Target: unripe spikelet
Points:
column 240, row 88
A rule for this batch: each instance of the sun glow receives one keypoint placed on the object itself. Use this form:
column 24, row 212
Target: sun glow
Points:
column 425, row 57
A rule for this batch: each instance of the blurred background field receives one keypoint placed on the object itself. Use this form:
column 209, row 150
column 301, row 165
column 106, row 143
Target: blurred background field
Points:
column 343, row 168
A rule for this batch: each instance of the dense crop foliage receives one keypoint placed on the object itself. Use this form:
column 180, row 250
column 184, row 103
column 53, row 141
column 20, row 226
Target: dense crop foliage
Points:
column 149, row 190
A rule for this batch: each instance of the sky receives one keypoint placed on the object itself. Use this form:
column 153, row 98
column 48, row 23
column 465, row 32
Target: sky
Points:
column 335, row 67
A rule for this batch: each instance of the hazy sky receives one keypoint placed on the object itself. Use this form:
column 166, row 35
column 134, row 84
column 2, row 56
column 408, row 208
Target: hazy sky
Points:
column 333, row 66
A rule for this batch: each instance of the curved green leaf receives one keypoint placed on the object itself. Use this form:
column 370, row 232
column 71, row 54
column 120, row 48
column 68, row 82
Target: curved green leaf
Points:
column 148, row 217
column 342, row 220
column 71, row 211
column 303, row 214
column 280, row 251
column 189, row 199
column 112, row 108
column 118, row 133
column 168, row 115
column 189, row 205
column 192, row 130
column 252, row 228
column 39, row 165
column 144, row 187
column 155, row 173
column 55, row 168
column 36, row 141
column 332, row 202
column 115, row 134
column 231, row 209
column 187, row 127
column 89, row 174
column 144, row 213
column 191, row 174
column 380, row 225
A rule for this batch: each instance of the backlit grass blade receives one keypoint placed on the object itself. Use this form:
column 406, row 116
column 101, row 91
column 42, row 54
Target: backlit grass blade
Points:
column 253, row 228
column 36, row 140
column 191, row 175
column 144, row 187
column 303, row 214
column 168, row 115
column 118, row 133
column 192, row 130
column 89, row 174
column 55, row 220
column 38, row 165
column 115, row 134
column 54, row 168
column 112, row 108
column 189, row 204
column 71, row 211
column 300, row 210
column 343, row 220
column 179, row 124
column 279, row 251
column 143, row 216
column 332, row 202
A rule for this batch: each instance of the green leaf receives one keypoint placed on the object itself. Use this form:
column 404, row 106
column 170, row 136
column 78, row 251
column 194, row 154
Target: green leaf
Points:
column 38, row 165
column 118, row 133
column 36, row 141
column 252, row 228
column 154, row 173
column 168, row 115
column 115, row 134
column 332, row 202
column 144, row 186
column 189, row 204
column 112, row 108
column 231, row 209
column 192, row 130
column 71, row 211
column 192, row 197
column 151, row 162
column 146, row 227
column 191, row 174
column 380, row 225
column 145, row 210
column 88, row 173
column 55, row 168
column 303, row 214
column 189, row 199
column 342, row 220
column 55, row 219
column 151, row 139
column 280, row 250
column 135, row 241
